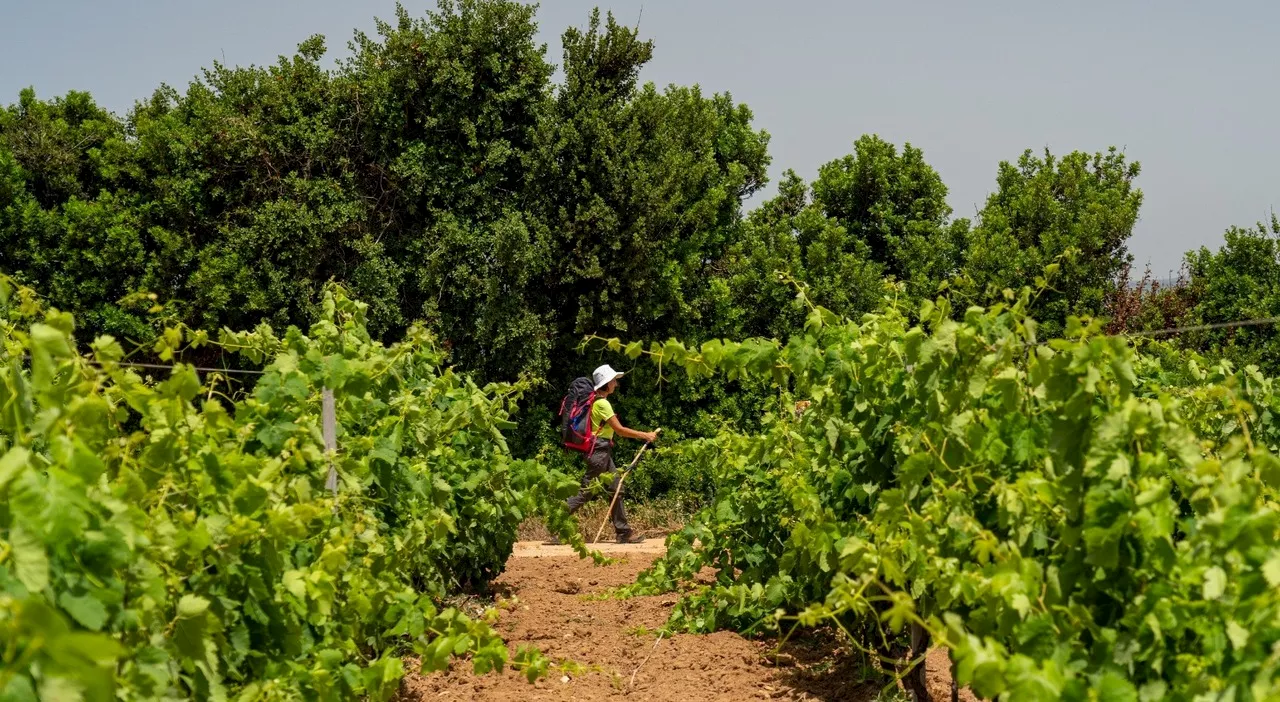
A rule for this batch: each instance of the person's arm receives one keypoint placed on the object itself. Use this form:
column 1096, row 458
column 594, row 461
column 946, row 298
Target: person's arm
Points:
column 646, row 436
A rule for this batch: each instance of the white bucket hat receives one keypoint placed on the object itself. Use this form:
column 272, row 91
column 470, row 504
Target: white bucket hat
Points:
column 604, row 374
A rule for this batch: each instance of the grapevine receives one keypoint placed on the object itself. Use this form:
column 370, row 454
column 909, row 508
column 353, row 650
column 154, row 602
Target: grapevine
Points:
column 1062, row 517
column 160, row 539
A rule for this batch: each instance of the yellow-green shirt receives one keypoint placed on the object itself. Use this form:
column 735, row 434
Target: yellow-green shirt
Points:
column 601, row 413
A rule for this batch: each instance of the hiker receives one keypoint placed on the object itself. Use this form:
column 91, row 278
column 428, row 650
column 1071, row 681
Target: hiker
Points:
column 604, row 426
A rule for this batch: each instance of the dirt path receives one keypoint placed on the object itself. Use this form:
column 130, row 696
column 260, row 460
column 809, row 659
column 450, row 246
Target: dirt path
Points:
column 609, row 648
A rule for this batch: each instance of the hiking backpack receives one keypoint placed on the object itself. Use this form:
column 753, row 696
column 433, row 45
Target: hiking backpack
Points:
column 575, row 416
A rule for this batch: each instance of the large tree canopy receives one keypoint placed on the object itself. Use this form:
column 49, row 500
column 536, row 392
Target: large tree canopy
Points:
column 1078, row 210
column 72, row 219
column 1239, row 282
column 895, row 204
column 872, row 214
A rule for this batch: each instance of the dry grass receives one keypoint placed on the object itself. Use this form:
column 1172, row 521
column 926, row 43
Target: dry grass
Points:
column 654, row 520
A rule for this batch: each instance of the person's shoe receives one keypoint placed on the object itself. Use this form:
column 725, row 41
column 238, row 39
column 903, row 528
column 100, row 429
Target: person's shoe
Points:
column 625, row 537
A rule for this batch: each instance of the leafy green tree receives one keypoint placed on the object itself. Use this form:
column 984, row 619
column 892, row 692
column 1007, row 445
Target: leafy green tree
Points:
column 642, row 188
column 388, row 173
column 446, row 111
column 896, row 204
column 789, row 240
column 67, row 218
column 1044, row 208
column 1239, row 281
column 249, row 197
column 871, row 214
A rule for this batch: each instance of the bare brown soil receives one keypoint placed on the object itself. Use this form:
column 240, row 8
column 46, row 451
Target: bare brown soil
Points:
column 610, row 648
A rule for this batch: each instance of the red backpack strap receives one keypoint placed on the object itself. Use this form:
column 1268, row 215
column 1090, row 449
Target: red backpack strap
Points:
column 591, row 429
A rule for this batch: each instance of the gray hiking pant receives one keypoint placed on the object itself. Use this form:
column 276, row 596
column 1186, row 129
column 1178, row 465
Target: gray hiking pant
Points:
column 599, row 463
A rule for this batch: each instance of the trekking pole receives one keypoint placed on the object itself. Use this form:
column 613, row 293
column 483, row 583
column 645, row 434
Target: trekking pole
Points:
column 618, row 490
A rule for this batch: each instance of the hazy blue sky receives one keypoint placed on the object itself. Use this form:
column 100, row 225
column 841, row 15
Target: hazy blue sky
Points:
column 1187, row 88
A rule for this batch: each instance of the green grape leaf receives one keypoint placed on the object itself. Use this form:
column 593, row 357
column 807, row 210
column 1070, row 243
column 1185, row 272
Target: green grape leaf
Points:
column 87, row 610
column 191, row 628
column 192, row 606
column 47, row 344
column 1215, row 583
column 12, row 463
column 1238, row 634
column 1112, row 687
column 19, row 689
column 31, row 563
column 1271, row 570
column 80, row 647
